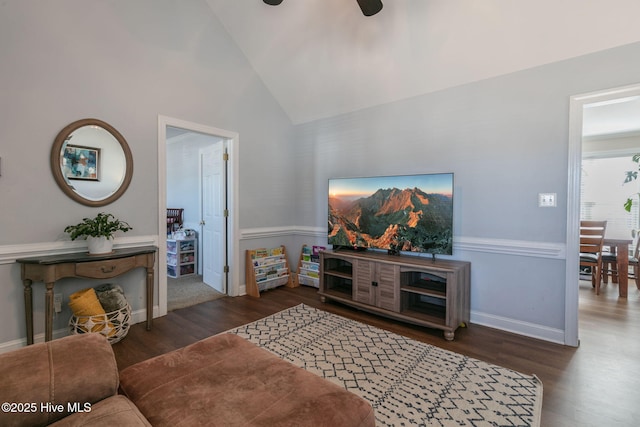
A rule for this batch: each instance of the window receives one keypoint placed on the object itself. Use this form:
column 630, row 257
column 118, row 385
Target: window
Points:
column 603, row 194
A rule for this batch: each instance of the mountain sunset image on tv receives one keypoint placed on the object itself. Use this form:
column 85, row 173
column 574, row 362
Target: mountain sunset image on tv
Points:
column 411, row 213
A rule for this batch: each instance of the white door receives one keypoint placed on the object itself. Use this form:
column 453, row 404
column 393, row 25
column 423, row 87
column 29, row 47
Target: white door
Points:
column 213, row 217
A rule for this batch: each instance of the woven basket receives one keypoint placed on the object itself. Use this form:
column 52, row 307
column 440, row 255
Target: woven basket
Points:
column 113, row 325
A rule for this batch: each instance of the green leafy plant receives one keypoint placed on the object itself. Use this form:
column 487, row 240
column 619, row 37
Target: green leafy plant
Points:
column 102, row 225
column 631, row 176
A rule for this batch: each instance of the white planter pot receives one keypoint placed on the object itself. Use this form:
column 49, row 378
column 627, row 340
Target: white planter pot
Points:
column 100, row 245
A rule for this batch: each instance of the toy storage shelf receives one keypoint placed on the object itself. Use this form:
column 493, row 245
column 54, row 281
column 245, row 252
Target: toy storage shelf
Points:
column 182, row 257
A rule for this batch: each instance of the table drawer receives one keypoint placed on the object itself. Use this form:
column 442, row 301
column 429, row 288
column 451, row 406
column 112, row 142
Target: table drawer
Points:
column 105, row 269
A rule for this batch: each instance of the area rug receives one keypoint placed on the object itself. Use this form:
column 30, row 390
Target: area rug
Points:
column 187, row 291
column 407, row 382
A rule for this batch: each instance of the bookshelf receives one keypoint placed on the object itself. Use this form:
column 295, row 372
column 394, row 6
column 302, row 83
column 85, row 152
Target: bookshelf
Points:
column 267, row 268
column 309, row 266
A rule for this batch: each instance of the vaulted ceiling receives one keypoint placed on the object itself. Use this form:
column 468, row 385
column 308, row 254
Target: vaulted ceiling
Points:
column 320, row 58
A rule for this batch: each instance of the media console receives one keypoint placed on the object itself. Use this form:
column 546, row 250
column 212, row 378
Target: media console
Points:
column 419, row 290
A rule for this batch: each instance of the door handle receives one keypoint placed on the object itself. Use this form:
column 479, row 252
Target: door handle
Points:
column 202, row 222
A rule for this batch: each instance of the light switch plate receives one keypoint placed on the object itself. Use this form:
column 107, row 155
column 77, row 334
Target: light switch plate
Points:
column 57, row 303
column 547, row 200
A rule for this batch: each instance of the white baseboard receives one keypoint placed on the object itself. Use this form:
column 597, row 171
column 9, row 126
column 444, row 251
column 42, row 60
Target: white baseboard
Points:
column 137, row 316
column 527, row 329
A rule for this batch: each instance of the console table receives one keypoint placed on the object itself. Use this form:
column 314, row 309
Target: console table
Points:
column 49, row 269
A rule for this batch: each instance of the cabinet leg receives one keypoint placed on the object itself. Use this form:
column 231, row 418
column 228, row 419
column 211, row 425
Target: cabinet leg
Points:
column 448, row 335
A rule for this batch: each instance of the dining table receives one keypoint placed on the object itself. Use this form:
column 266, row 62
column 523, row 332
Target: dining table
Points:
column 621, row 247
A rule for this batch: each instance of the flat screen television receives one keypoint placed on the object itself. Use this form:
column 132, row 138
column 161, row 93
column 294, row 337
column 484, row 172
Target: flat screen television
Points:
column 412, row 213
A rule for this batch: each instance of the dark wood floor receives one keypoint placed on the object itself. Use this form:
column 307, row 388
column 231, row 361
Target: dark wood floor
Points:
column 593, row 385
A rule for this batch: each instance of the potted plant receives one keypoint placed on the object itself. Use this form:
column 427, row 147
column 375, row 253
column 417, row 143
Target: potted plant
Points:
column 631, row 176
column 98, row 231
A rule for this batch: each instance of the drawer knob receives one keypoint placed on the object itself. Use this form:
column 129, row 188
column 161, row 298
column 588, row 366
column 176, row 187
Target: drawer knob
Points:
column 108, row 269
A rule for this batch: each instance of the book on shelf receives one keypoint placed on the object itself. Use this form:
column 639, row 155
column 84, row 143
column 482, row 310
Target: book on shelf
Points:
column 308, row 265
column 284, row 271
column 260, row 253
column 315, row 253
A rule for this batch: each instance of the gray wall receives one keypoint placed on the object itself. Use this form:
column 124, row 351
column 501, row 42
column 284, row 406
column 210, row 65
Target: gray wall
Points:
column 125, row 63
column 506, row 140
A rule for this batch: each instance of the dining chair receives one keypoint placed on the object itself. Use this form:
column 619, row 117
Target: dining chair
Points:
column 591, row 242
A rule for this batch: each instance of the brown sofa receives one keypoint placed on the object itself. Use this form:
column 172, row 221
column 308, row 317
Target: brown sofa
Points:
column 223, row 380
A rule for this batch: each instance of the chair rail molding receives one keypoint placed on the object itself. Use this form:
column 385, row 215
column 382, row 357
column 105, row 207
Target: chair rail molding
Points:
column 460, row 243
column 511, row 247
column 288, row 231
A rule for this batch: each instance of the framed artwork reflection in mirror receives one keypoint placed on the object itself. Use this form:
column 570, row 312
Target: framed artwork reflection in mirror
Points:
column 81, row 162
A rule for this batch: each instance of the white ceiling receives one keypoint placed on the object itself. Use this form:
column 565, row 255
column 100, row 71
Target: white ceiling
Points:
column 320, row 58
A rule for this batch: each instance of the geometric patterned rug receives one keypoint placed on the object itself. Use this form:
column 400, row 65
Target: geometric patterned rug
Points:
column 407, row 382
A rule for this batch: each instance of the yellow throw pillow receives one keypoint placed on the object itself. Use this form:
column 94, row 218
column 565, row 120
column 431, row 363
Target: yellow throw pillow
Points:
column 86, row 307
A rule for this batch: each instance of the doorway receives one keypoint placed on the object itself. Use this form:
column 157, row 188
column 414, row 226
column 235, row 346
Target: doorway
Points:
column 196, row 170
column 196, row 189
column 585, row 119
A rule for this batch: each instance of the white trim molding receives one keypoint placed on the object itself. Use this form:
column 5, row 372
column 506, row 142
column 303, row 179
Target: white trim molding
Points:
column 577, row 104
column 518, row 327
column 137, row 316
column 511, row 247
column 460, row 243
column 269, row 232
column 233, row 202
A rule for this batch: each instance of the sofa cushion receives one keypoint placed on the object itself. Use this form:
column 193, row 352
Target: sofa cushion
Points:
column 112, row 411
column 225, row 380
column 74, row 369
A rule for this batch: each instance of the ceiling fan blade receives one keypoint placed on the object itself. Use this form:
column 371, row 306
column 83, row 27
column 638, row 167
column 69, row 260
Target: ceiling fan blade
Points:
column 273, row 2
column 370, row 7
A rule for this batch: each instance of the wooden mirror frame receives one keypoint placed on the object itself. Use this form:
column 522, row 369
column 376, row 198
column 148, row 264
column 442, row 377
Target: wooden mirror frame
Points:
column 61, row 179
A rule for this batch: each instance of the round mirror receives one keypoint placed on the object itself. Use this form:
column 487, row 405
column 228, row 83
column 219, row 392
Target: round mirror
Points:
column 91, row 162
